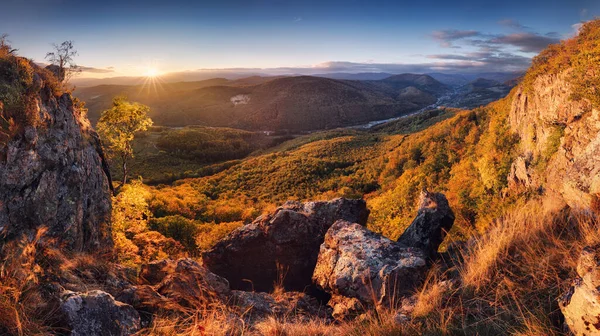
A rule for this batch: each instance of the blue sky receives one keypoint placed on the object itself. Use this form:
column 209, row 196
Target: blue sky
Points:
column 127, row 37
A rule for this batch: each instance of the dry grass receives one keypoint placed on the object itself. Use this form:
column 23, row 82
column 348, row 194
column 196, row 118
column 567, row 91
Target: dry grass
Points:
column 514, row 228
column 506, row 284
column 23, row 308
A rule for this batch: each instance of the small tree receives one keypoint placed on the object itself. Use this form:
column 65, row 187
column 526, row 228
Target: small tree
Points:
column 117, row 128
column 5, row 48
column 62, row 60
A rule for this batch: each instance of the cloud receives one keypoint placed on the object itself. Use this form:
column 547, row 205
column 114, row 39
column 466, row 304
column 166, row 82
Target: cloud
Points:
column 96, row 70
column 576, row 28
column 526, row 42
column 513, row 24
column 446, row 37
column 484, row 59
column 297, row 19
column 474, row 62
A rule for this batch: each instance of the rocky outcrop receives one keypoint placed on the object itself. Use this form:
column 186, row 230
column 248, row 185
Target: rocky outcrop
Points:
column 581, row 303
column 180, row 285
column 96, row 313
column 557, row 129
column 520, row 174
column 282, row 245
column 428, row 230
column 53, row 174
column 359, row 264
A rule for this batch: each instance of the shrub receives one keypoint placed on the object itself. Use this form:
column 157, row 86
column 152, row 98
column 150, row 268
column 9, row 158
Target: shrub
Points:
column 179, row 228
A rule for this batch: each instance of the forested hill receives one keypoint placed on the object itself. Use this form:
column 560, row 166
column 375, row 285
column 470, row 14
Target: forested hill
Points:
column 263, row 103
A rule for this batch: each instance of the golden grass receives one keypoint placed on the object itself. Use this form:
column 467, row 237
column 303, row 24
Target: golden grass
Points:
column 515, row 227
column 506, row 282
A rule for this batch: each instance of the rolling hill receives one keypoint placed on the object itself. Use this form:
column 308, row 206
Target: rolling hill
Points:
column 299, row 103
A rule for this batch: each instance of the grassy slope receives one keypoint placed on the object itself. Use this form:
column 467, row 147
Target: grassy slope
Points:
column 388, row 169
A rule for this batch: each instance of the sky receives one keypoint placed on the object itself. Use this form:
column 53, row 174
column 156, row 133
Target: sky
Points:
column 133, row 38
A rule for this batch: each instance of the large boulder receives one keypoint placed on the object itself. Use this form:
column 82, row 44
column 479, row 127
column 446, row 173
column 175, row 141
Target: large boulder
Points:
column 581, row 303
column 282, row 246
column 96, row 313
column 428, row 230
column 53, row 173
column 357, row 263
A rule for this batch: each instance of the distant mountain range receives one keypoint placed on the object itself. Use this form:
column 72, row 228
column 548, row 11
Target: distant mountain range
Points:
column 294, row 103
column 454, row 80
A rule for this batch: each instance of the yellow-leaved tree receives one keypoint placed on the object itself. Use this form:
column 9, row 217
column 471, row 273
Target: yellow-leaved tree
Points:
column 117, row 128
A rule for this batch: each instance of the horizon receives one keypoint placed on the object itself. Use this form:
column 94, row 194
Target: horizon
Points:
column 271, row 38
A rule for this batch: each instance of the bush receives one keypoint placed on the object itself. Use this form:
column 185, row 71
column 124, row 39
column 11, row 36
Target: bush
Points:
column 179, row 228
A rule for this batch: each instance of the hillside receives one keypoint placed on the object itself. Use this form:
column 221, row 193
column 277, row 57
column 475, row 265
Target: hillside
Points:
column 507, row 169
column 481, row 92
column 258, row 103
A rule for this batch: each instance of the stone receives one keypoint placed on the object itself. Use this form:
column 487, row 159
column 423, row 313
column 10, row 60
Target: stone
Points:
column 154, row 272
column 54, row 175
column 192, row 285
column 288, row 304
column 282, row 245
column 97, row 313
column 555, row 128
column 357, row 263
column 345, row 308
column 428, row 230
column 581, row 303
column 520, row 175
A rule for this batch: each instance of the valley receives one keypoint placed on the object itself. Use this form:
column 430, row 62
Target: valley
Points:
column 290, row 104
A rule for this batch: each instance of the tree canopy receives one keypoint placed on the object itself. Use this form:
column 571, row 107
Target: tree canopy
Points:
column 119, row 124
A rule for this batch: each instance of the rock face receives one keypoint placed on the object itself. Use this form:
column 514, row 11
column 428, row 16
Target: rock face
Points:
column 356, row 263
column 54, row 175
column 553, row 126
column 520, row 174
column 282, row 244
column 96, row 313
column 429, row 228
column 581, row 303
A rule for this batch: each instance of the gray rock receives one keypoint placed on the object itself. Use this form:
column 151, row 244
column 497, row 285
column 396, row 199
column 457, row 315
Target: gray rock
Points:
column 97, row 313
column 357, row 263
column 54, row 175
column 192, row 285
column 581, row 303
column 258, row 305
column 429, row 228
column 154, row 272
column 284, row 244
column 520, row 175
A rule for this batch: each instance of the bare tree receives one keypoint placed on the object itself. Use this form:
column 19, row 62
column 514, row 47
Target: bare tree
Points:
column 62, row 61
column 5, row 47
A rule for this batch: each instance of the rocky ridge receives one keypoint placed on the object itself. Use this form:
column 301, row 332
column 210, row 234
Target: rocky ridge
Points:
column 53, row 173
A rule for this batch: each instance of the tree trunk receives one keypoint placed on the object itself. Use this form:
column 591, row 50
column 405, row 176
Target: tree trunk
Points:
column 124, row 172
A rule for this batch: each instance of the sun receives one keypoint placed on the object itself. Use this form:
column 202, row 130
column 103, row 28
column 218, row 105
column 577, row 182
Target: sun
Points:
column 151, row 72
